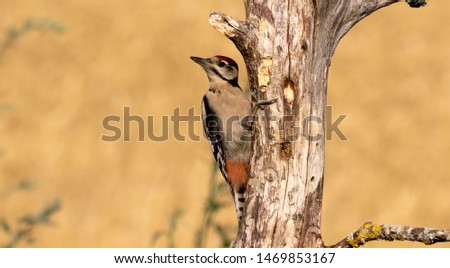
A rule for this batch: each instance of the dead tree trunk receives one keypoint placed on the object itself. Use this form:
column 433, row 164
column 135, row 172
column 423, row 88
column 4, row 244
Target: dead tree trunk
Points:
column 287, row 46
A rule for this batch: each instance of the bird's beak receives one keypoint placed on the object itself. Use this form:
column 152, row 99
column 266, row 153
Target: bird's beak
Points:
column 202, row 62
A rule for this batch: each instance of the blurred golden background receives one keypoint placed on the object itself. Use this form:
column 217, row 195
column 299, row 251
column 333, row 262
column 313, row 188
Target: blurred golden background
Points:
column 390, row 75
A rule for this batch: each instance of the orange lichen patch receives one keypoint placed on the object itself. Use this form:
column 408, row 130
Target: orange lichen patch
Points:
column 237, row 173
column 367, row 232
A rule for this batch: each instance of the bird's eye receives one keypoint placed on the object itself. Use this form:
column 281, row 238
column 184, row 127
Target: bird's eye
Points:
column 222, row 64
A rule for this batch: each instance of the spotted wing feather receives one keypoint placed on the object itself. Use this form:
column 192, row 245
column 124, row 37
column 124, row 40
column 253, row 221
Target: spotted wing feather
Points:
column 213, row 129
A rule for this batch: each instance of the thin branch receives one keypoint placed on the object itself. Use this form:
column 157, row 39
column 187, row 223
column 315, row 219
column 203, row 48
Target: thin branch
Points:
column 355, row 12
column 416, row 3
column 370, row 232
column 372, row 5
column 359, row 9
column 227, row 25
column 233, row 29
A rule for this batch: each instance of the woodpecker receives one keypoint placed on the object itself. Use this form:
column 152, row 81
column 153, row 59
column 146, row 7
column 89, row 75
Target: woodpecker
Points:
column 227, row 116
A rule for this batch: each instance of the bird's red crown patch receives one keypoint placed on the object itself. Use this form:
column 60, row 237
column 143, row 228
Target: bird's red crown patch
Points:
column 230, row 61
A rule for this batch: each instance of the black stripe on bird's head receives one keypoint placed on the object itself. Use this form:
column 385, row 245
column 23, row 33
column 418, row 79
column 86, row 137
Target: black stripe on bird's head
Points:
column 219, row 69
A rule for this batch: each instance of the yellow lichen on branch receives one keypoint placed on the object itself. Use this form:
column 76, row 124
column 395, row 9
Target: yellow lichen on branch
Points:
column 367, row 232
column 370, row 231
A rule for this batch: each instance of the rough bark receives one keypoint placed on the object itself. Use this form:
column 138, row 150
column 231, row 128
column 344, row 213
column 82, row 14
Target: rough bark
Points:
column 287, row 46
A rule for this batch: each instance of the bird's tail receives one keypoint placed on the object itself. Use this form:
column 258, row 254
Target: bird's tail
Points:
column 239, row 202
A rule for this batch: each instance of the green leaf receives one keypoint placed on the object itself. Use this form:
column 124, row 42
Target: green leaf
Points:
column 28, row 219
column 27, row 24
column 13, row 32
column 31, row 240
column 173, row 226
column 155, row 237
column 50, row 209
column 53, row 26
column 5, row 226
column 223, row 234
column 25, row 185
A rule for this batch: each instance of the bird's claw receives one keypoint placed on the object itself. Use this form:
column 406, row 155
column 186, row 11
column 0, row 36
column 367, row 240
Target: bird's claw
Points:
column 262, row 104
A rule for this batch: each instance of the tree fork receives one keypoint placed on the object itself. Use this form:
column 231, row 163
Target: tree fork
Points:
column 287, row 47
